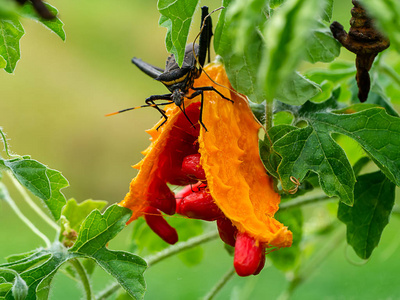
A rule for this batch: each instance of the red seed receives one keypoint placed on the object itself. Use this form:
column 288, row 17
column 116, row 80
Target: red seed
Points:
column 186, row 191
column 199, row 205
column 227, row 232
column 161, row 197
column 261, row 265
column 160, row 226
column 192, row 168
column 248, row 254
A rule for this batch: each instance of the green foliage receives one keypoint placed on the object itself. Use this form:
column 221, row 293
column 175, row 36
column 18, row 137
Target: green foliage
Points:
column 42, row 181
column 297, row 151
column 176, row 16
column 11, row 30
column 365, row 221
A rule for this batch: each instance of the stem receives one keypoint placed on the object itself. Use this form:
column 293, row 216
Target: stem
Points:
column 153, row 259
column 303, row 200
column 84, row 277
column 32, row 204
column 24, row 219
column 220, row 284
column 268, row 114
column 390, row 72
column 312, row 265
column 172, row 250
column 5, row 143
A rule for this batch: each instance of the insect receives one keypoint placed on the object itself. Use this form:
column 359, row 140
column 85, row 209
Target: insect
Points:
column 179, row 80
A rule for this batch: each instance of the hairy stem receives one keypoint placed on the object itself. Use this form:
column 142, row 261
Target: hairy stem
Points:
column 220, row 284
column 5, row 143
column 170, row 251
column 83, row 276
column 306, row 199
column 175, row 249
column 268, row 114
column 32, row 204
column 24, row 219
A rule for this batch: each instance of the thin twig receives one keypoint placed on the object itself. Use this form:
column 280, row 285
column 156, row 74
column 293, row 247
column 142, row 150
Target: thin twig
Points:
column 219, row 285
column 306, row 199
column 32, row 204
column 83, row 276
column 156, row 258
column 24, row 219
column 172, row 250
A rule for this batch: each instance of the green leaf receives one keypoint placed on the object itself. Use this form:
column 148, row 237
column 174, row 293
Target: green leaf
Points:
column 11, row 31
column 3, row 62
column 76, row 213
column 365, row 221
column 176, row 16
column 322, row 46
column 328, row 10
column 42, row 181
column 241, row 62
column 337, row 72
column 286, row 30
column 38, row 268
column 55, row 25
column 288, row 258
column 32, row 175
column 94, row 234
column 19, row 289
column 387, row 15
column 296, row 90
column 313, row 149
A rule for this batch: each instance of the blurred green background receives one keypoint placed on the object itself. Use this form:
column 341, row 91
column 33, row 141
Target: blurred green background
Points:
column 53, row 108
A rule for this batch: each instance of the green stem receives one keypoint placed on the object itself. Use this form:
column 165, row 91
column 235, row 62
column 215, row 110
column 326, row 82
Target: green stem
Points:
column 24, row 219
column 153, row 259
column 268, row 114
column 84, row 277
column 32, row 204
column 313, row 264
column 172, row 250
column 5, row 143
column 220, row 284
column 303, row 200
column 389, row 72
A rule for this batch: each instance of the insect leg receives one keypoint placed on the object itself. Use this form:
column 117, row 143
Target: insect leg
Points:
column 211, row 88
column 196, row 93
column 150, row 101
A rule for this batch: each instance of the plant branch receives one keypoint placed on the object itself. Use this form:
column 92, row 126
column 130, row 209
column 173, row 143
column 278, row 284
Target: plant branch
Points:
column 32, row 204
column 153, row 259
column 268, row 114
column 304, row 200
column 220, row 284
column 24, row 219
column 172, row 250
column 84, row 277
column 3, row 136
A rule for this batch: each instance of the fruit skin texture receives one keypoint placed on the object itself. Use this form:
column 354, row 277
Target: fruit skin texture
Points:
column 235, row 174
column 248, row 255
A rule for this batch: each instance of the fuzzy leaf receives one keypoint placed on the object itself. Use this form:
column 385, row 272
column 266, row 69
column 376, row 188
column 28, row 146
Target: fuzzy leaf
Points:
column 94, row 234
column 176, row 16
column 387, row 15
column 76, row 213
column 3, row 62
column 11, row 31
column 55, row 25
column 322, row 46
column 296, row 90
column 287, row 29
column 300, row 150
column 374, row 199
column 42, row 181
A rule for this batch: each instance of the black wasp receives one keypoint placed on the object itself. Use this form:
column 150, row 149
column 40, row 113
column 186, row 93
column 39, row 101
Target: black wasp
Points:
column 180, row 80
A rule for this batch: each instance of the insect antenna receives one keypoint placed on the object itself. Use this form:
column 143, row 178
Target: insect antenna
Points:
column 136, row 107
